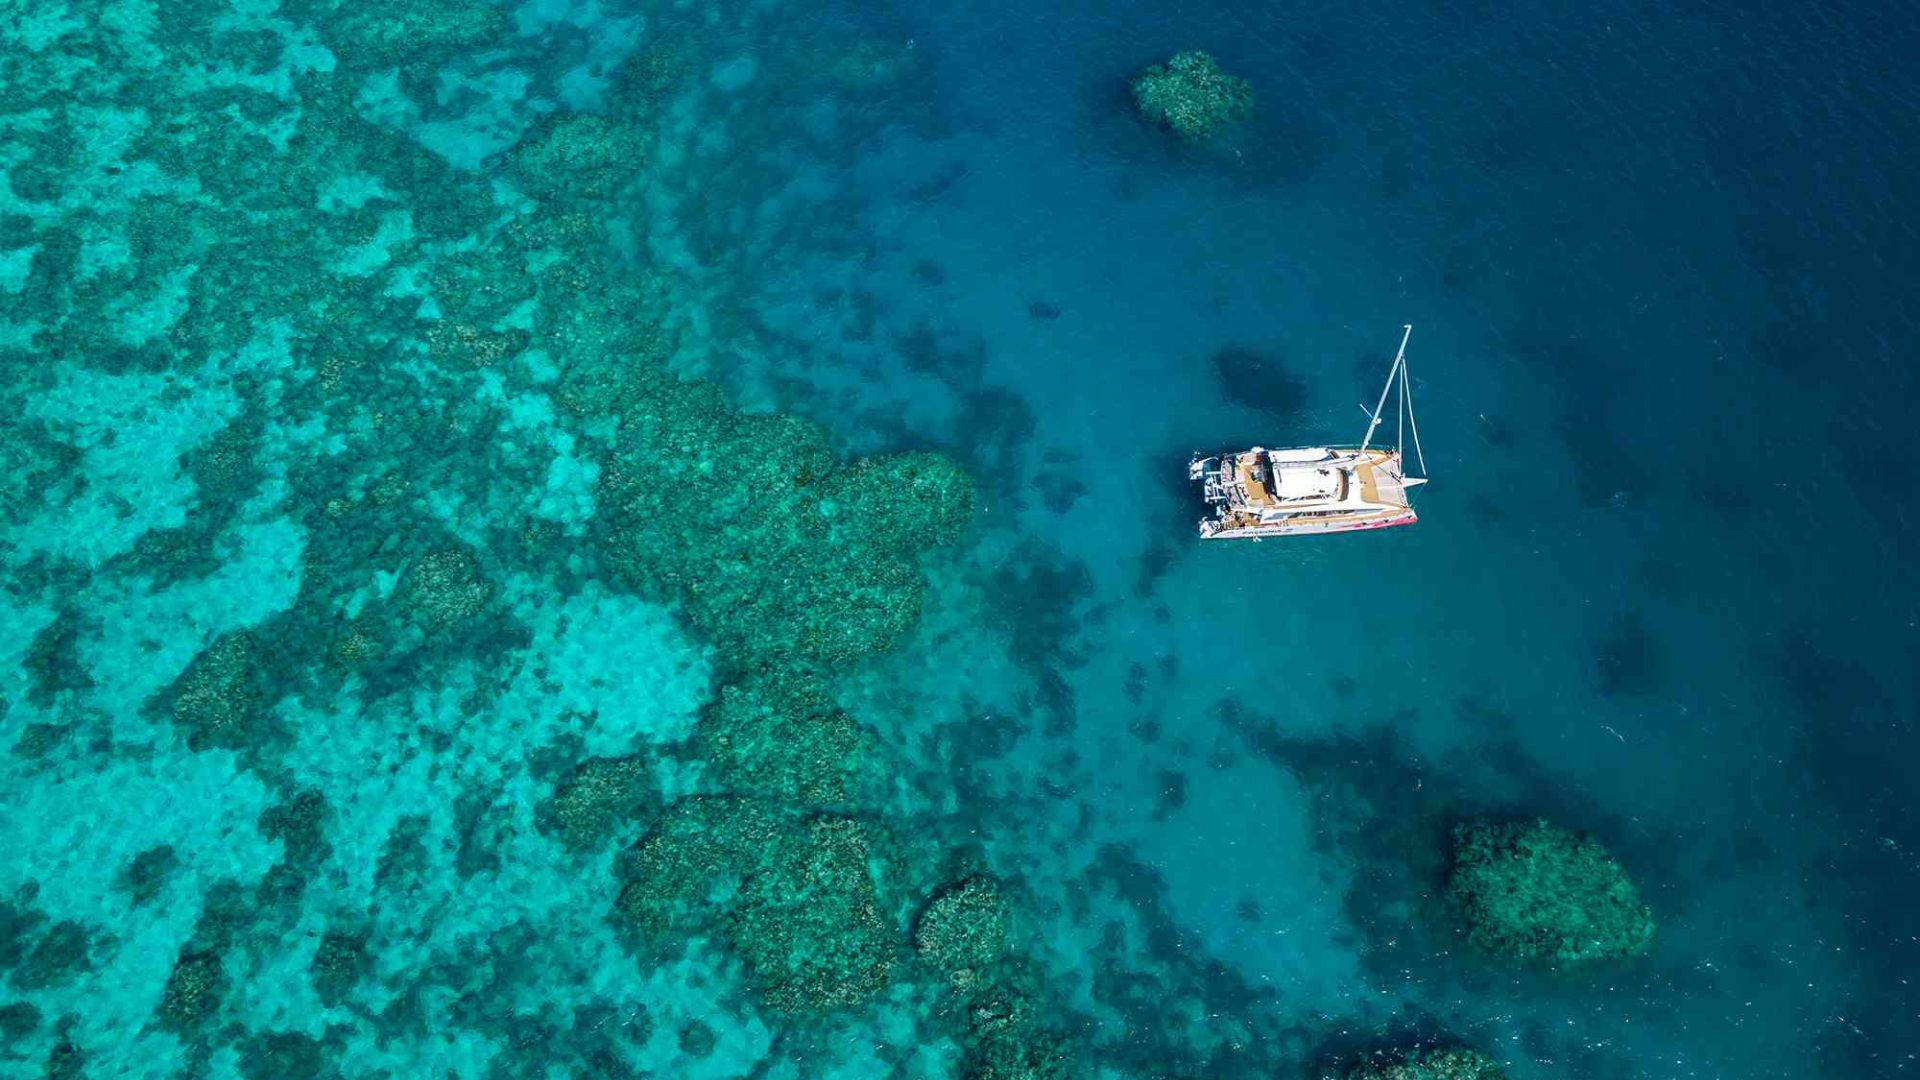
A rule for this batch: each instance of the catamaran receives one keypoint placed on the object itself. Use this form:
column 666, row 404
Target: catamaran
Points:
column 1317, row 489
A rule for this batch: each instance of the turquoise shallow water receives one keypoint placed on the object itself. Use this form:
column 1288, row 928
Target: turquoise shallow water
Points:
column 429, row 652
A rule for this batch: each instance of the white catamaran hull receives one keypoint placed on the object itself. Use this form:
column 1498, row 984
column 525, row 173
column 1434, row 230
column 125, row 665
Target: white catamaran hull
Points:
column 1302, row 492
column 1315, row 489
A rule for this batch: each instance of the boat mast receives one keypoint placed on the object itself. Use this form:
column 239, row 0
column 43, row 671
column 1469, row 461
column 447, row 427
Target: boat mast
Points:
column 1393, row 373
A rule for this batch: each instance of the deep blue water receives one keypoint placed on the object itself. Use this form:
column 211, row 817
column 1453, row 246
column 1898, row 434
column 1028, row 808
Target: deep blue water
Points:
column 1658, row 260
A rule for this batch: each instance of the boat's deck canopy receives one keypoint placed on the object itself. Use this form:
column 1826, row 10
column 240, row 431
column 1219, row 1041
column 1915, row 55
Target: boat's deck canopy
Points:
column 1306, row 480
column 1308, row 484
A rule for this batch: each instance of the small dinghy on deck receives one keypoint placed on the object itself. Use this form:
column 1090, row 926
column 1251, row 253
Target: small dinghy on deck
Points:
column 1315, row 489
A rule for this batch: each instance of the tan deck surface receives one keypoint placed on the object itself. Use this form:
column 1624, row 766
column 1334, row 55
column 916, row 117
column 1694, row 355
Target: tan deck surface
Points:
column 1369, row 491
column 1256, row 491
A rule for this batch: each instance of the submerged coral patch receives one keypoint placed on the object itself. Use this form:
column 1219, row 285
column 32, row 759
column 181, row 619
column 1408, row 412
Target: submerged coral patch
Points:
column 219, row 701
column 193, row 992
column 443, row 588
column 581, row 157
column 809, row 924
column 1192, row 95
column 596, row 798
column 1536, row 891
column 778, row 551
column 782, row 738
column 794, row 897
column 963, row 931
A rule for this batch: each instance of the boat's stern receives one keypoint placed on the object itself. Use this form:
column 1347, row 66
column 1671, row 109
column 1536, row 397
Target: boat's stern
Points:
column 1204, row 470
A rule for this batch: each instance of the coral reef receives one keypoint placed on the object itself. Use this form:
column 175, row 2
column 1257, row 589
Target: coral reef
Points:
column 785, row 739
column 697, row 1040
column 963, row 931
column 696, row 846
column 1192, row 96
column 1536, row 891
column 65, row 1060
column 443, row 588
column 17, row 1021
column 808, row 923
column 1006, row 1041
column 1451, row 1063
column 580, row 157
column 61, row 954
column 146, row 875
column 39, row 740
column 52, row 662
column 192, row 993
column 594, row 800
column 804, row 914
column 784, row 556
column 381, row 33
column 338, row 963
column 797, row 566
column 220, row 701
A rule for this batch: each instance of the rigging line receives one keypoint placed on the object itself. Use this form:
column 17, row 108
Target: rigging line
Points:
column 1406, row 396
column 1400, row 425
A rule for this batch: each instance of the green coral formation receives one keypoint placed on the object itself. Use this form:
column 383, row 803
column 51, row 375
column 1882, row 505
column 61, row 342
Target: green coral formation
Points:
column 580, row 156
column 963, row 932
column 193, row 992
column 40, row 740
column 223, row 468
column 380, row 33
column 599, row 796
column 700, row 847
column 284, row 1055
column 697, row 1040
column 1536, row 891
column 1450, row 1063
column 220, row 700
column 797, row 566
column 62, row 953
column 18, row 1020
column 338, row 963
column 785, row 739
column 300, row 824
column 19, row 921
column 1193, row 96
column 808, row 922
column 803, row 911
column 1007, row 1041
column 782, row 554
column 443, row 588
column 145, row 876
column 65, row 1060
column 53, row 662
